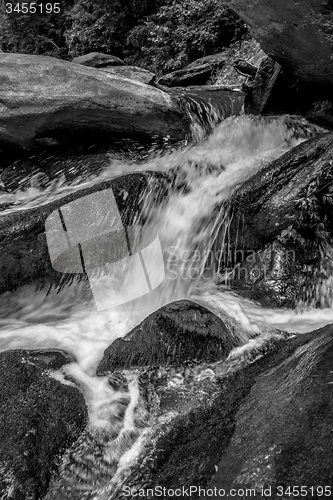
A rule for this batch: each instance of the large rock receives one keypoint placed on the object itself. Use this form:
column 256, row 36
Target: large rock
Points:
column 45, row 97
column 256, row 422
column 281, row 227
column 39, row 419
column 170, row 363
column 298, row 35
column 24, row 249
column 178, row 333
column 283, row 429
column 98, row 60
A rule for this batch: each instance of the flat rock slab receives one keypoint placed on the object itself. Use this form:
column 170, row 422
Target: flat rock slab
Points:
column 180, row 332
column 44, row 97
column 284, row 215
column 283, row 428
column 39, row 419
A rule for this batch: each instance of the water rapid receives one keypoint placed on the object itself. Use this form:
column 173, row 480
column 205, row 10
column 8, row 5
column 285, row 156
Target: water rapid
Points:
column 205, row 174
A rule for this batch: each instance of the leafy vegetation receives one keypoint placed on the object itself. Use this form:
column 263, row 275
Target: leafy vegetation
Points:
column 161, row 35
column 37, row 33
column 182, row 31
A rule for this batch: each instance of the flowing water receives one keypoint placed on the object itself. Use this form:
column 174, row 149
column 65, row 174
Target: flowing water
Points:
column 206, row 173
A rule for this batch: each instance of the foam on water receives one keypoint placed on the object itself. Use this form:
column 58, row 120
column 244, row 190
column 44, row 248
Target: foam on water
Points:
column 187, row 223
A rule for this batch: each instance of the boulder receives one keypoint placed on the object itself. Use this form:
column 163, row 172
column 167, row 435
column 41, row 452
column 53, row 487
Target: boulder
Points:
column 39, row 419
column 45, row 97
column 133, row 73
column 165, row 360
column 298, row 35
column 284, row 215
column 98, row 60
column 256, row 423
column 176, row 334
column 25, row 255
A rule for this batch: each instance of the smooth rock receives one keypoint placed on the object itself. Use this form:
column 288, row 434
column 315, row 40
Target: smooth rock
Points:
column 298, row 35
column 39, row 419
column 45, row 97
column 284, row 215
column 178, row 333
column 98, row 60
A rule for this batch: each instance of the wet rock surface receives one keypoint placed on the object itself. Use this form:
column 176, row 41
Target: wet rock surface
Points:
column 284, row 216
column 24, row 250
column 178, row 333
column 40, row 418
column 263, row 424
column 282, row 432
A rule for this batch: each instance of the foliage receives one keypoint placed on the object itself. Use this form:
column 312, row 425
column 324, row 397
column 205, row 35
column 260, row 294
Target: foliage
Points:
column 38, row 33
column 103, row 25
column 182, row 31
column 161, row 35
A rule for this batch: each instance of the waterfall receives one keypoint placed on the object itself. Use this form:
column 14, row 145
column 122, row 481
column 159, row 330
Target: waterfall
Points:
column 192, row 227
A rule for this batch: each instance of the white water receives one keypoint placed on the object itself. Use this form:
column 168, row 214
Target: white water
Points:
column 186, row 225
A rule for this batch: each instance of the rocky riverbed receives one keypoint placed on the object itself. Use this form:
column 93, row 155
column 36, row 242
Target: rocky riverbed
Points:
column 165, row 277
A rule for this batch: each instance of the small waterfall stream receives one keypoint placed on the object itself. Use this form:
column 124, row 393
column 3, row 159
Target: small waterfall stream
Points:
column 205, row 173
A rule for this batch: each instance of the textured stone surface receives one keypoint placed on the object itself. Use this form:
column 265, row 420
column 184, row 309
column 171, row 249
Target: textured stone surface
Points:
column 45, row 97
column 23, row 245
column 261, row 422
column 298, row 35
column 179, row 332
column 39, row 419
column 284, row 214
